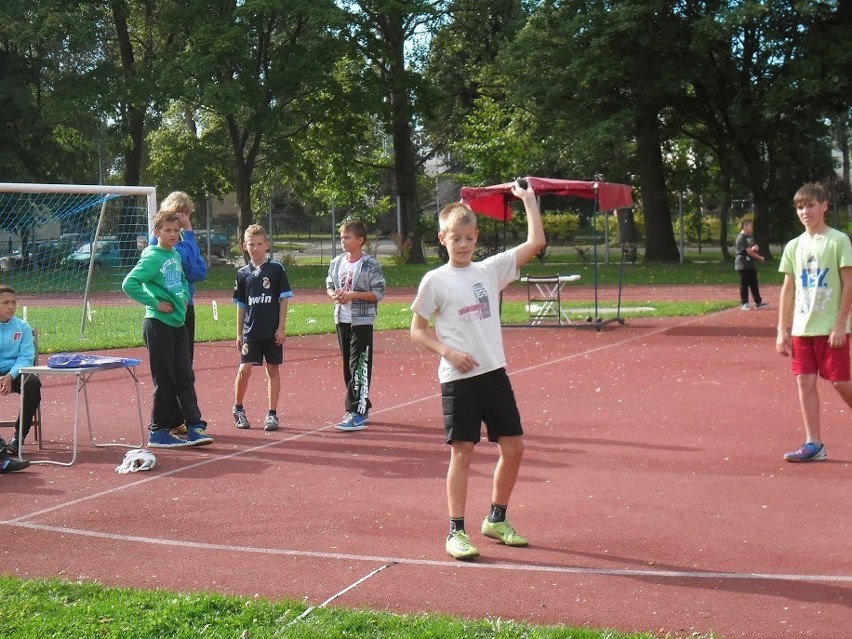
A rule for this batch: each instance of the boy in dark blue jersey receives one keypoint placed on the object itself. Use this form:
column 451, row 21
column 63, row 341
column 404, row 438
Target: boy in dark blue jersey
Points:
column 261, row 292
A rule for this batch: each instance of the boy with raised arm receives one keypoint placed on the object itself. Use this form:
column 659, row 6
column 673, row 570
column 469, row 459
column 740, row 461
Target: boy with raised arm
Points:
column 462, row 299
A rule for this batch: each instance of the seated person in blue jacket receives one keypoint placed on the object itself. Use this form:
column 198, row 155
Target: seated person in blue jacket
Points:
column 16, row 351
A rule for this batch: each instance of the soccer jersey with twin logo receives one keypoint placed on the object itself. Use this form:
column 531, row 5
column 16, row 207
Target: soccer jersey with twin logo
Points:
column 259, row 291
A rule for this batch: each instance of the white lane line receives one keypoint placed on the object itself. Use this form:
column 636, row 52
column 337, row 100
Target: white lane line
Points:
column 389, row 561
column 155, row 477
column 340, row 593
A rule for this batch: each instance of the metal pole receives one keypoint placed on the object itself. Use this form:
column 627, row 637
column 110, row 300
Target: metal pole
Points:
column 207, row 224
column 680, row 216
column 271, row 235
column 333, row 251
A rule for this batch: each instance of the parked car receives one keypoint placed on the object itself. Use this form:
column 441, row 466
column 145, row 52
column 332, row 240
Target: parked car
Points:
column 220, row 244
column 43, row 254
column 106, row 254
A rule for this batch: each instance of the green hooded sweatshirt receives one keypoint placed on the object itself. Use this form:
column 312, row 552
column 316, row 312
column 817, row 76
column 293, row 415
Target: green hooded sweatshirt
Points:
column 158, row 277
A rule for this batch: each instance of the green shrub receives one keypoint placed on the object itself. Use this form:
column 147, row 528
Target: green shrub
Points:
column 560, row 226
column 708, row 225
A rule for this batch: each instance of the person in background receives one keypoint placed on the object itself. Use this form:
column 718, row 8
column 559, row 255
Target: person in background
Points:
column 747, row 253
column 193, row 264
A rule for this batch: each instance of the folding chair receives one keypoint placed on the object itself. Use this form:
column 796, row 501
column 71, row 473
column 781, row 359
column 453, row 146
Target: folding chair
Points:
column 12, row 423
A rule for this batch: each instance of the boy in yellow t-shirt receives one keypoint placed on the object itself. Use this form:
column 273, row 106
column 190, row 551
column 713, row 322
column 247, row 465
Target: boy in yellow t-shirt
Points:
column 813, row 313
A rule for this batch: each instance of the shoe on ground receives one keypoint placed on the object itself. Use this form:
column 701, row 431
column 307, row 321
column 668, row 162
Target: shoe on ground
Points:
column 164, row 439
column 240, row 419
column 761, row 305
column 351, row 421
column 808, row 452
column 178, row 430
column 503, row 531
column 197, row 435
column 745, row 307
column 10, row 465
column 271, row 422
column 458, row 545
column 11, row 448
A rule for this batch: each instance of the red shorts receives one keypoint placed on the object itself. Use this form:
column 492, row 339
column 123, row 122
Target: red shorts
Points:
column 812, row 355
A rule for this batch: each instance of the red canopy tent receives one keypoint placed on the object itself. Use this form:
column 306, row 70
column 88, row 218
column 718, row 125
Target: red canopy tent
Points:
column 494, row 201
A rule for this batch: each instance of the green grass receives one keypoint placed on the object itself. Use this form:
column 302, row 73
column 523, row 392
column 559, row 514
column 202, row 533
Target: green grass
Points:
column 120, row 326
column 697, row 269
column 45, row 609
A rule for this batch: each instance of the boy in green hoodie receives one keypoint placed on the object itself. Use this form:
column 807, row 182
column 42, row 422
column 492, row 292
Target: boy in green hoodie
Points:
column 158, row 283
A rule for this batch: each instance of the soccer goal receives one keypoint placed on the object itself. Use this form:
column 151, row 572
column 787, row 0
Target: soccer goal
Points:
column 70, row 246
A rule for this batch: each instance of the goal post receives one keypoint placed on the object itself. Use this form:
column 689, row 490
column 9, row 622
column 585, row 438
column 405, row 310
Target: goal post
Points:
column 72, row 244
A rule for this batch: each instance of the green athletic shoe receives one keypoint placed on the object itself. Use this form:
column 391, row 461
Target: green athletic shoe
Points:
column 503, row 531
column 459, row 546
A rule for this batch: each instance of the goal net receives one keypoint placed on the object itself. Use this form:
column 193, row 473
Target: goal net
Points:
column 67, row 248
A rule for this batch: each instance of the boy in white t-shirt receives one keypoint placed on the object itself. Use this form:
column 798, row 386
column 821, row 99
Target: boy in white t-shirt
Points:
column 355, row 284
column 813, row 313
column 462, row 298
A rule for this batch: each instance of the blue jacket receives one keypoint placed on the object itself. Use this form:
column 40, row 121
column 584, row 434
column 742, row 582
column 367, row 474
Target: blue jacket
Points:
column 16, row 347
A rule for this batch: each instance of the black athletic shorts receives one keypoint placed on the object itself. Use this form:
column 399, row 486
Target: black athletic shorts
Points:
column 469, row 402
column 255, row 352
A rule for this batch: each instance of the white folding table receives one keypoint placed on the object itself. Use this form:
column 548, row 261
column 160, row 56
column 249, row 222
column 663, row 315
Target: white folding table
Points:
column 550, row 296
column 83, row 376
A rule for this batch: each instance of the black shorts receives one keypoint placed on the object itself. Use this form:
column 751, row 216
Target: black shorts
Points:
column 469, row 402
column 255, row 352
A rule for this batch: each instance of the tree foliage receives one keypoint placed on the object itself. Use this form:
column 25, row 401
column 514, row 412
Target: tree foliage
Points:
column 341, row 103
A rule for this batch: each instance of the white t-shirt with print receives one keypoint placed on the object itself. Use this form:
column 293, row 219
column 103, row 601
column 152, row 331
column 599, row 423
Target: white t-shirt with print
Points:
column 349, row 272
column 464, row 304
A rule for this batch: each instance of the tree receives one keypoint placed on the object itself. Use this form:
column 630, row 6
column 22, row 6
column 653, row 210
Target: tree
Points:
column 385, row 32
column 463, row 65
column 259, row 66
column 189, row 152
column 46, row 103
column 760, row 89
column 598, row 88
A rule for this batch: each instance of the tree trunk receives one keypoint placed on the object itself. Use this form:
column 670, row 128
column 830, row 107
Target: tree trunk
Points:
column 660, row 243
column 245, row 147
column 404, row 165
column 242, row 189
column 133, row 121
column 133, row 115
column 724, row 213
column 756, row 178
